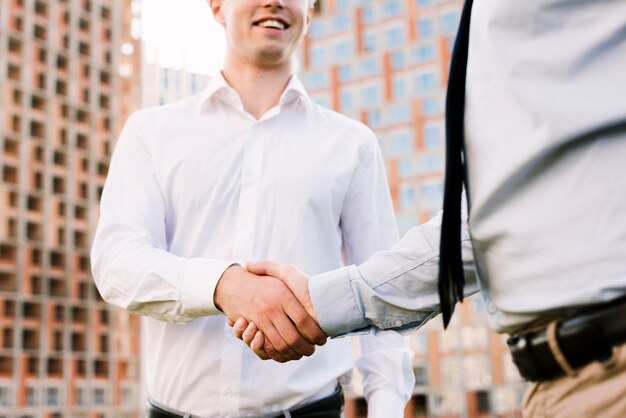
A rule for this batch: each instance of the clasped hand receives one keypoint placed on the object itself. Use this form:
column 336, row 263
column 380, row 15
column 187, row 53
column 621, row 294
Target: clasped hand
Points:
column 270, row 309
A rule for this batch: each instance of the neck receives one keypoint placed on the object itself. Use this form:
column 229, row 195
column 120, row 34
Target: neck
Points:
column 259, row 88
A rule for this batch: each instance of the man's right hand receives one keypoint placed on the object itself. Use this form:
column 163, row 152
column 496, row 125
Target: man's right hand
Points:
column 290, row 332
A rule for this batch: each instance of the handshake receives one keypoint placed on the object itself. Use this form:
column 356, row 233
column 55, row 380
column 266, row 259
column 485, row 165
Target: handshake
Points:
column 269, row 307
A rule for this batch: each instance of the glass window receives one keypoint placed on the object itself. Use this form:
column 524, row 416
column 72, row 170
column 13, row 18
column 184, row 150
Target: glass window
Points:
column 406, row 169
column 52, row 397
column 31, row 396
column 423, row 53
column 433, row 137
column 369, row 67
column 425, row 27
column 425, row 83
column 448, row 402
column 317, row 29
column 346, row 101
column 341, row 22
column 374, row 119
column 316, row 80
column 399, row 143
column 399, row 113
column 421, row 374
column 370, row 42
column 398, row 60
column 405, row 222
column 423, row 3
column 407, row 198
column 343, row 49
column 451, row 375
column 432, row 106
column 394, row 36
column 345, row 73
column 431, row 163
column 318, row 57
column 399, row 89
column 392, row 8
column 99, row 396
column 370, row 96
column 432, row 195
column 368, row 15
column 449, row 22
column 6, row 398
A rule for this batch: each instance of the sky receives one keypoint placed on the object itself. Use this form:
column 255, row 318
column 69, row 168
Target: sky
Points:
column 182, row 33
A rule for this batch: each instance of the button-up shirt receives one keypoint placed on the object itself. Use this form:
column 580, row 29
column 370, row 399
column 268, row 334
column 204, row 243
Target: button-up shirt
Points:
column 200, row 184
column 546, row 151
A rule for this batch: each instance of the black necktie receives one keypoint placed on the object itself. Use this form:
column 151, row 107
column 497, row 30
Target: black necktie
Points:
column 451, row 279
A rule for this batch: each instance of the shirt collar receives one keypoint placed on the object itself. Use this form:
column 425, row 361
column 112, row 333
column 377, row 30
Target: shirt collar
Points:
column 219, row 87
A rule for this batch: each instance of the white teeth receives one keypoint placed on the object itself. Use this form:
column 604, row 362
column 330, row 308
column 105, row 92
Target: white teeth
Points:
column 274, row 24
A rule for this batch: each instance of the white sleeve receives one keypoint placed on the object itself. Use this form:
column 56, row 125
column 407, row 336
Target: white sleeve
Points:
column 368, row 225
column 131, row 265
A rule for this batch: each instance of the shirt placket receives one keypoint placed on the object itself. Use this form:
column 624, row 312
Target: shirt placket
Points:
column 244, row 231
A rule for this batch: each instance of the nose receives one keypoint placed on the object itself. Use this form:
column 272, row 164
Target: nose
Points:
column 274, row 3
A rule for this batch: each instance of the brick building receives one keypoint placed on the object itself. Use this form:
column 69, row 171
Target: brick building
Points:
column 66, row 87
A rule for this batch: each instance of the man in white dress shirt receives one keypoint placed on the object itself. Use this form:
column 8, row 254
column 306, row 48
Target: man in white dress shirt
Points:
column 199, row 187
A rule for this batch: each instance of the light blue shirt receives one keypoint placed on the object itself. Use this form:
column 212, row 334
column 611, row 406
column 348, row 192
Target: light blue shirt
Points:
column 546, row 81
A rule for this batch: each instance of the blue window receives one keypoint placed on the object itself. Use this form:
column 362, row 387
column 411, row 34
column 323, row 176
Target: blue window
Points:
column 318, row 57
column 423, row 3
column 343, row 49
column 370, row 41
column 407, row 198
column 423, row 53
column 406, row 168
column 369, row 67
column 400, row 143
column 398, row 60
column 342, row 4
column 394, row 36
column 433, row 137
column 400, row 113
column 368, row 15
column 374, row 119
column 431, row 107
column 346, row 101
column 431, row 194
column 345, row 73
column 431, row 163
column 322, row 100
column 317, row 29
column 341, row 23
column 399, row 88
column 425, row 82
column 425, row 28
column 392, row 8
column 371, row 96
column 449, row 22
column 316, row 80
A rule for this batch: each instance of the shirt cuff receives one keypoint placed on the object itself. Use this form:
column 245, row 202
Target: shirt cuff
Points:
column 385, row 404
column 198, row 283
column 334, row 302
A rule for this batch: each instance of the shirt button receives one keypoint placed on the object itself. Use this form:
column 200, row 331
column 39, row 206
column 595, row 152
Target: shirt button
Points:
column 398, row 323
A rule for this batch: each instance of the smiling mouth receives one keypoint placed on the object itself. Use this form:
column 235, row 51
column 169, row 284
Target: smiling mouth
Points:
column 272, row 24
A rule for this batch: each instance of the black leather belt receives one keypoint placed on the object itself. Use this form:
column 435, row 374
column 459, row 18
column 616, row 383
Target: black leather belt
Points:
column 584, row 338
column 329, row 407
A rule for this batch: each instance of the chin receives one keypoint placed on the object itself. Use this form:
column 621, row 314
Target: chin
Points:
column 270, row 58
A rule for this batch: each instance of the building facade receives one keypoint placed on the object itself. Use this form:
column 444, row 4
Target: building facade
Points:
column 385, row 62
column 66, row 87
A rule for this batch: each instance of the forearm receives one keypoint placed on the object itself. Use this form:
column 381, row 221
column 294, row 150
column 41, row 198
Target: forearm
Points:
column 395, row 289
column 134, row 274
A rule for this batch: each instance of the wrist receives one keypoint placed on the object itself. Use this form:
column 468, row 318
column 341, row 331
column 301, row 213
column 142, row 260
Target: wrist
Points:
column 228, row 279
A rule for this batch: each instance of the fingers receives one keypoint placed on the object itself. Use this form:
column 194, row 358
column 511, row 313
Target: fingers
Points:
column 239, row 327
column 304, row 323
column 266, row 268
column 290, row 334
column 280, row 339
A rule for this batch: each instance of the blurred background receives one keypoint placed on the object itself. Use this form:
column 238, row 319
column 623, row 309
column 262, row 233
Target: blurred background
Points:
column 72, row 71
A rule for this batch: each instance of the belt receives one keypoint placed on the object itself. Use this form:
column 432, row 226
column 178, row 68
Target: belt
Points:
column 563, row 347
column 328, row 407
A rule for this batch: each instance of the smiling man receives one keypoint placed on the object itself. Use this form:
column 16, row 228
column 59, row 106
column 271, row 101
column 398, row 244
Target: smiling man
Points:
column 199, row 187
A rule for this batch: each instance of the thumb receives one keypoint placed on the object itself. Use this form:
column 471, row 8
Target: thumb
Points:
column 266, row 268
